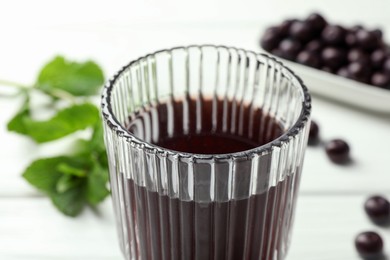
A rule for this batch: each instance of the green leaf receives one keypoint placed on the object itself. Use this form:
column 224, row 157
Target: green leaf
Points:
column 43, row 173
column 66, row 182
column 17, row 122
column 71, row 171
column 65, row 122
column 79, row 79
column 94, row 146
column 70, row 202
column 97, row 140
column 70, row 181
column 51, row 175
column 97, row 184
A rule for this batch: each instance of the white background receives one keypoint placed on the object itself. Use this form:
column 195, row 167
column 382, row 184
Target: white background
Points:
column 330, row 208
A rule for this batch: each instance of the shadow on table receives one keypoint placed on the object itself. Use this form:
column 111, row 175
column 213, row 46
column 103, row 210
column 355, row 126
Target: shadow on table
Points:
column 381, row 257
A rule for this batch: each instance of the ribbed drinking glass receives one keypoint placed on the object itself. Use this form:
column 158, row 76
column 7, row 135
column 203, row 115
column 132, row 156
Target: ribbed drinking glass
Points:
column 174, row 204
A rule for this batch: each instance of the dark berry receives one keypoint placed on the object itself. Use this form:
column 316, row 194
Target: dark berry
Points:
column 333, row 35
column 378, row 57
column 317, row 22
column 338, row 151
column 270, row 39
column 274, row 30
column 367, row 40
column 356, row 28
column 378, row 33
column 358, row 55
column 386, row 65
column 313, row 133
column 358, row 70
column 301, row 31
column 309, row 59
column 285, row 27
column 380, row 79
column 327, row 69
column 378, row 209
column 289, row 48
column 333, row 57
column 343, row 72
column 350, row 39
column 314, row 46
column 277, row 52
column 369, row 244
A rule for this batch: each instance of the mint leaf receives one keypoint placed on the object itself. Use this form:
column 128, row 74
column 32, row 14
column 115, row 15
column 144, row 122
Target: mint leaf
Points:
column 79, row 79
column 69, row 170
column 66, row 182
column 70, row 202
column 71, row 182
column 17, row 123
column 97, row 184
column 94, row 147
column 65, row 122
column 44, row 174
column 52, row 176
column 97, row 141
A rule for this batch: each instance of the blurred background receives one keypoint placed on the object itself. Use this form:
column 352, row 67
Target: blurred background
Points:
column 112, row 33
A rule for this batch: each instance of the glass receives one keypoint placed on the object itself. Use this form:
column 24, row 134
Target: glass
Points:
column 179, row 205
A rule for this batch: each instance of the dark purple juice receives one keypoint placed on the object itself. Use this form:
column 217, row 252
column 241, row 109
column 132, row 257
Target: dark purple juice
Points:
column 169, row 228
column 237, row 229
column 205, row 127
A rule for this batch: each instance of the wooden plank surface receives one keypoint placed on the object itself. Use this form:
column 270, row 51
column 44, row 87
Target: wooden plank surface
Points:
column 330, row 211
column 325, row 228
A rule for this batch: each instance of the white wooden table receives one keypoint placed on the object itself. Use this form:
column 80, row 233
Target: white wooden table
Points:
column 330, row 208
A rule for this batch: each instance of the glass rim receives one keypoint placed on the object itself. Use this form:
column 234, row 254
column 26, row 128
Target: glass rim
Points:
column 111, row 120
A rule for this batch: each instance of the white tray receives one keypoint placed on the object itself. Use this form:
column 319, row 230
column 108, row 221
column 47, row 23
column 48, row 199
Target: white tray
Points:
column 342, row 89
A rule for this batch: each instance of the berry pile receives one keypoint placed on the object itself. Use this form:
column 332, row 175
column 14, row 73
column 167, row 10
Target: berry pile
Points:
column 355, row 53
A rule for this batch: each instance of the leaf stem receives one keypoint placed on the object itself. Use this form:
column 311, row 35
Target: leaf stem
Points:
column 61, row 94
column 13, row 84
column 2, row 95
